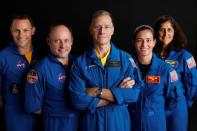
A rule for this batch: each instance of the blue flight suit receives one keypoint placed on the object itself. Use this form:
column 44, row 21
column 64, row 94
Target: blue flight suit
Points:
column 13, row 70
column 46, row 89
column 184, row 63
column 88, row 71
column 158, row 97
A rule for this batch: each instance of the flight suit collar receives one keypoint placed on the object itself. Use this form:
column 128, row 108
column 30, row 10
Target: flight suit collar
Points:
column 14, row 49
column 54, row 59
column 154, row 63
column 171, row 53
column 113, row 55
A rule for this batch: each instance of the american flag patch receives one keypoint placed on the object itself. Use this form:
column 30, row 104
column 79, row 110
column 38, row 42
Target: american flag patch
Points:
column 191, row 63
column 173, row 76
column 132, row 62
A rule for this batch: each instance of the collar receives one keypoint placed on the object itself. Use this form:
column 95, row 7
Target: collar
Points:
column 114, row 55
column 13, row 48
column 171, row 53
column 154, row 62
column 54, row 59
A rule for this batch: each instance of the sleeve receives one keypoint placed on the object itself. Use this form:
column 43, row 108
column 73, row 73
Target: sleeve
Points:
column 190, row 80
column 129, row 95
column 1, row 79
column 77, row 88
column 173, row 86
column 0, row 87
column 34, row 91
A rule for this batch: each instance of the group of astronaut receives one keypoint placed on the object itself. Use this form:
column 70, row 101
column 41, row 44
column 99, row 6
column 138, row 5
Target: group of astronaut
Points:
column 103, row 89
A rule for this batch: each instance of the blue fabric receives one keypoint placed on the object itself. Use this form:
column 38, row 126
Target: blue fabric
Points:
column 187, row 73
column 88, row 71
column 0, row 88
column 13, row 70
column 157, row 97
column 49, row 92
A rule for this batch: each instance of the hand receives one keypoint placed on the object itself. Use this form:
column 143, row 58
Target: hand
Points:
column 38, row 112
column 102, row 102
column 91, row 91
column 127, row 83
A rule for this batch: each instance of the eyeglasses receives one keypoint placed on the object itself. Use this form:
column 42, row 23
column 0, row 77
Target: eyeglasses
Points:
column 98, row 28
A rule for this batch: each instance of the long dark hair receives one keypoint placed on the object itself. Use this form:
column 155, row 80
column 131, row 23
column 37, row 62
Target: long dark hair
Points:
column 179, row 40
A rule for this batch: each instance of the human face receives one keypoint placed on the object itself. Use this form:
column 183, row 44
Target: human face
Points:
column 166, row 33
column 60, row 41
column 22, row 32
column 144, row 43
column 102, row 30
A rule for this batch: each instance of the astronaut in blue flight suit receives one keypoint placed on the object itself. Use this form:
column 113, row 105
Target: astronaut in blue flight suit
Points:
column 15, row 62
column 46, row 88
column 96, row 77
column 158, row 96
column 170, row 43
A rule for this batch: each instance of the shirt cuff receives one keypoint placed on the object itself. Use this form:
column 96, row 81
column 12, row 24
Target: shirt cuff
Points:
column 118, row 96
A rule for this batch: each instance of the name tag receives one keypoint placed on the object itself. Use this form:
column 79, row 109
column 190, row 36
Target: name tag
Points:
column 153, row 79
column 113, row 64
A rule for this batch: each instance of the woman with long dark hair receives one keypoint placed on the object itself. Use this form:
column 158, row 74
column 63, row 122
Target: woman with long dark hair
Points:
column 171, row 42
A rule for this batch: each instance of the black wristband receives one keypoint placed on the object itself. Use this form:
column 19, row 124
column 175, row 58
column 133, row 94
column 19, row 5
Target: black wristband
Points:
column 99, row 92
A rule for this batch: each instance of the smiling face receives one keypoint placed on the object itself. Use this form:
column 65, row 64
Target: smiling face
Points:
column 166, row 33
column 144, row 43
column 60, row 41
column 22, row 32
column 102, row 29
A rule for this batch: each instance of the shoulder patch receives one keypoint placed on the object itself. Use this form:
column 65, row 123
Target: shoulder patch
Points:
column 132, row 62
column 173, row 76
column 32, row 76
column 191, row 62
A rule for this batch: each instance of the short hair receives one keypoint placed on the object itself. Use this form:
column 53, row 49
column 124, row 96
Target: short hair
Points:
column 143, row 27
column 179, row 40
column 101, row 13
column 21, row 17
column 55, row 24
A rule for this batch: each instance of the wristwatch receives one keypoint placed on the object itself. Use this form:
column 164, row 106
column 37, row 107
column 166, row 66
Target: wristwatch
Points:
column 98, row 92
